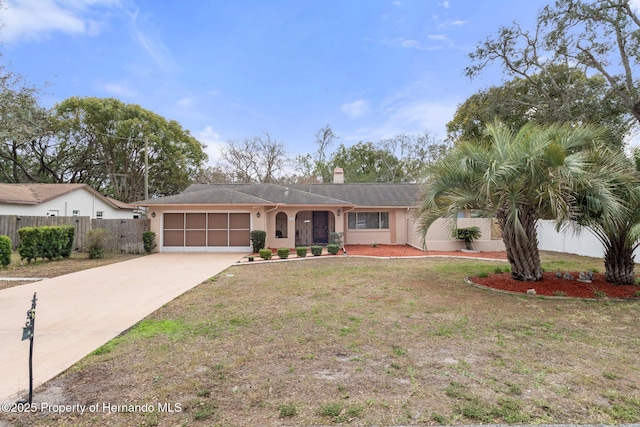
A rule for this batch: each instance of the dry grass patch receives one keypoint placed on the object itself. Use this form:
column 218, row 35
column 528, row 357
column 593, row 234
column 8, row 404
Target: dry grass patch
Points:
column 364, row 342
column 47, row 269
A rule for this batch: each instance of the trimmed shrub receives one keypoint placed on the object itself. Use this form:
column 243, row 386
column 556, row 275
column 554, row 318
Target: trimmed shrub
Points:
column 149, row 241
column 335, row 238
column 48, row 242
column 301, row 251
column 283, row 253
column 96, row 241
column 49, row 245
column 316, row 250
column 5, row 250
column 29, row 247
column 265, row 253
column 258, row 239
column 333, row 249
column 69, row 233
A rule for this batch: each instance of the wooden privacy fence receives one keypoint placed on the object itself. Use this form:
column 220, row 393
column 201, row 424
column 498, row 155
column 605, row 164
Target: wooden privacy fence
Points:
column 126, row 234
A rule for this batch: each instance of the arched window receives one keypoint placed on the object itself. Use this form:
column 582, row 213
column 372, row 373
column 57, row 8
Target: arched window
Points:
column 281, row 225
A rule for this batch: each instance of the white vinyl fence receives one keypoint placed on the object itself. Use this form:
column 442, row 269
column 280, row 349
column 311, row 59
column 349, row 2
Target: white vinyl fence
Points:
column 584, row 243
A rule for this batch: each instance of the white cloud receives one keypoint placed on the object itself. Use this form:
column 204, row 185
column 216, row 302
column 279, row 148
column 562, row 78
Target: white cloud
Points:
column 118, row 89
column 356, row 108
column 454, row 23
column 635, row 4
column 151, row 42
column 438, row 37
column 414, row 44
column 185, row 102
column 408, row 111
column 421, row 115
column 214, row 143
column 409, row 44
column 412, row 118
column 445, row 4
column 36, row 19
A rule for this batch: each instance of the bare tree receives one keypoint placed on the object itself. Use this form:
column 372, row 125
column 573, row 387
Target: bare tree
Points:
column 259, row 159
column 414, row 153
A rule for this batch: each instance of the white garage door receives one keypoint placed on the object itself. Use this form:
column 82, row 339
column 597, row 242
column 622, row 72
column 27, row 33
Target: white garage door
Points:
column 206, row 231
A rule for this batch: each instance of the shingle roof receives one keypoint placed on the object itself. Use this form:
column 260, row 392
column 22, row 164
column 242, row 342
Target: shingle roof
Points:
column 370, row 195
column 199, row 194
column 35, row 193
column 239, row 194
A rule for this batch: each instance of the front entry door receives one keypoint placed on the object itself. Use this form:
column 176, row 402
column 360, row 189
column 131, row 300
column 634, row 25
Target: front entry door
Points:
column 321, row 227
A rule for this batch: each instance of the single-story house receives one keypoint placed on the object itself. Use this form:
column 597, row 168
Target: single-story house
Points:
column 220, row 217
column 62, row 200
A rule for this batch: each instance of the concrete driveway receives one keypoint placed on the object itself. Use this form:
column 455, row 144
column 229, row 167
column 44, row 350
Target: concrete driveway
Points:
column 77, row 313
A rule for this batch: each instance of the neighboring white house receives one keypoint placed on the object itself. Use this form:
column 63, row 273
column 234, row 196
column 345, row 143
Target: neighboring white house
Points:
column 62, row 200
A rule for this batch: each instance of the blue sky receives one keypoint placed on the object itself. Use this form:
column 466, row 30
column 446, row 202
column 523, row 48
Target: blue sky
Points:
column 233, row 69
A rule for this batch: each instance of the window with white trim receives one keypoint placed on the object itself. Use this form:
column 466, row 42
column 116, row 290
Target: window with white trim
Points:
column 99, row 214
column 75, row 212
column 368, row 220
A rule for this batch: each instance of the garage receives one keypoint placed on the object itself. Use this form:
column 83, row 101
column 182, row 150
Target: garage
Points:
column 206, row 231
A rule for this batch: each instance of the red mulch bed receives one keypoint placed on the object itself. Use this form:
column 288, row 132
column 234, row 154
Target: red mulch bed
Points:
column 406, row 250
column 550, row 285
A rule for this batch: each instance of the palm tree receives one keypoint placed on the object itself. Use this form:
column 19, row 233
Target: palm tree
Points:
column 618, row 231
column 517, row 178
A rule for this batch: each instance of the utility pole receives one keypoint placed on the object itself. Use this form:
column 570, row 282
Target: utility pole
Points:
column 146, row 168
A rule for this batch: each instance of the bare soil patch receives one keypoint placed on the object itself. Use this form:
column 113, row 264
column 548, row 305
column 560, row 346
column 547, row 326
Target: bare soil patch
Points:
column 361, row 341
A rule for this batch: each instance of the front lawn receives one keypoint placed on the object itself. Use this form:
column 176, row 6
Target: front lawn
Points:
column 361, row 341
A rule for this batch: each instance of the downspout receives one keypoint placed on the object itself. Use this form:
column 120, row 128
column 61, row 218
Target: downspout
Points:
column 271, row 210
column 267, row 211
column 344, row 213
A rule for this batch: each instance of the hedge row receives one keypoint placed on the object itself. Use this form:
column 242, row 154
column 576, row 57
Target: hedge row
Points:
column 5, row 250
column 48, row 242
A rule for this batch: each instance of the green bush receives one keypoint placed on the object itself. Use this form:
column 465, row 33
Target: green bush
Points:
column 5, row 250
column 68, row 234
column 265, row 253
column 96, row 242
column 468, row 235
column 316, row 250
column 301, row 251
column 333, row 249
column 258, row 239
column 49, row 242
column 29, row 247
column 336, row 238
column 149, row 241
column 283, row 253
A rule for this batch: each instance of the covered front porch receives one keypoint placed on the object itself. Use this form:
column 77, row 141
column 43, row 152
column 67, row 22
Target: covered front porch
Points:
column 303, row 227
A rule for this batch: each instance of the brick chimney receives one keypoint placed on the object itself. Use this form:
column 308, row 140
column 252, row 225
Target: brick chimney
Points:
column 338, row 176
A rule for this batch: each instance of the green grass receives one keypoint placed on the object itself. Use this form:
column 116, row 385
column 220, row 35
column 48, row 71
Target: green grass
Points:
column 287, row 410
column 368, row 342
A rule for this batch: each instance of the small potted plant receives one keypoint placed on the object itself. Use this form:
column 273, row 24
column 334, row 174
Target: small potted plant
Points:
column 468, row 235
